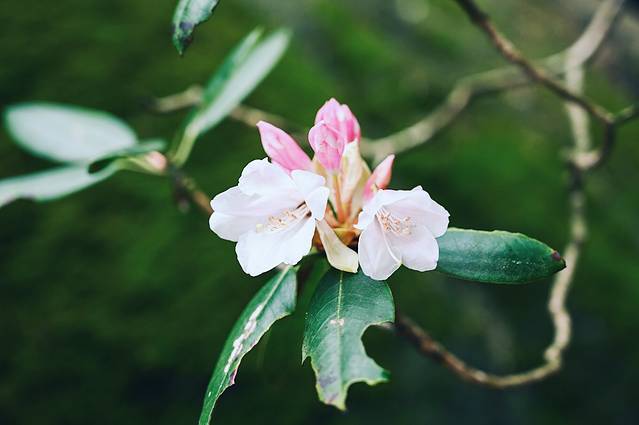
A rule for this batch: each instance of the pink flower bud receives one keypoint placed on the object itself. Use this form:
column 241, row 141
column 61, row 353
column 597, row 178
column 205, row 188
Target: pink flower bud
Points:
column 156, row 160
column 282, row 148
column 327, row 144
column 341, row 119
column 380, row 177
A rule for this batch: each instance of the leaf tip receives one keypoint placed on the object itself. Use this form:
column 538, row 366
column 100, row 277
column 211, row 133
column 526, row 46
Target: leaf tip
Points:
column 559, row 261
column 182, row 36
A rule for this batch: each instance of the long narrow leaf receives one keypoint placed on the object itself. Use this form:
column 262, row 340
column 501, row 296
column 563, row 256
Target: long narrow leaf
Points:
column 496, row 257
column 274, row 301
column 50, row 184
column 245, row 67
column 66, row 133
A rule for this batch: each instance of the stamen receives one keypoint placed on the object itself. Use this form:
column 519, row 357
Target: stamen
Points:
column 390, row 223
column 281, row 221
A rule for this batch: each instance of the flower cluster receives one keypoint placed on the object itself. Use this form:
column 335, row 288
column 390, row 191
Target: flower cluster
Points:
column 281, row 208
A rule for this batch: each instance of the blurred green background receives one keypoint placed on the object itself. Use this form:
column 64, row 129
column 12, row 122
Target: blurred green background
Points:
column 114, row 305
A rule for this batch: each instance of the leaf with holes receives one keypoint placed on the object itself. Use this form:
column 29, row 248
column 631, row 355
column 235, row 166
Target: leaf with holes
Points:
column 274, row 301
column 243, row 69
column 496, row 257
column 188, row 14
column 65, row 133
column 343, row 307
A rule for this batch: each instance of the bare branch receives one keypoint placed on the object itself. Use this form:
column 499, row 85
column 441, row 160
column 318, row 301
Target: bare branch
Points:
column 495, row 81
column 536, row 73
column 626, row 115
column 175, row 102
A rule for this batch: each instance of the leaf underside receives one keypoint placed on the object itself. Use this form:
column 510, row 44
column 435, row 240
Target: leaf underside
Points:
column 66, row 133
column 50, row 184
column 496, row 257
column 274, row 301
column 343, row 306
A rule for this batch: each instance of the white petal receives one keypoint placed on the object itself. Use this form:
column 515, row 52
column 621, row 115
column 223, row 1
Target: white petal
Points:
column 297, row 245
column 316, row 202
column 259, row 252
column 423, row 211
column 357, row 200
column 231, row 227
column 381, row 199
column 351, row 170
column 266, row 179
column 312, row 188
column 339, row 255
column 375, row 255
column 306, row 181
column 237, row 203
column 417, row 250
column 415, row 203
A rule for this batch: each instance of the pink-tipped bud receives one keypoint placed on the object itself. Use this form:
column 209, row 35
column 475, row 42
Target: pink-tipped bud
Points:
column 380, row 177
column 282, row 148
column 341, row 119
column 157, row 161
column 327, row 144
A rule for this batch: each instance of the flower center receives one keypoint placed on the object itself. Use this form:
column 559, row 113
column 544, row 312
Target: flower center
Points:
column 282, row 220
column 391, row 223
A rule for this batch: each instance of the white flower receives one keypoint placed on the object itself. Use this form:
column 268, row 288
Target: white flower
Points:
column 400, row 227
column 272, row 216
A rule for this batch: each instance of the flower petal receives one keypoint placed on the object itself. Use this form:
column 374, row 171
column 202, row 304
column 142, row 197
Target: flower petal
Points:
column 376, row 256
column 351, row 171
column 380, row 177
column 259, row 252
column 315, row 194
column 339, row 255
column 423, row 211
column 340, row 118
column 282, row 148
column 231, row 227
column 418, row 250
column 307, row 181
column 237, row 203
column 263, row 178
column 327, row 144
column 316, row 201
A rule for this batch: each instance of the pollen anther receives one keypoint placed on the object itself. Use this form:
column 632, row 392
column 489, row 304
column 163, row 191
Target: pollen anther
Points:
column 391, row 223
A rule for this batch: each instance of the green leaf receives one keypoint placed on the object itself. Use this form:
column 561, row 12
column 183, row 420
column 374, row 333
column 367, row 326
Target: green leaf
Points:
column 274, row 301
column 343, row 307
column 67, row 133
column 245, row 67
column 50, row 184
column 132, row 152
column 496, row 257
column 188, row 14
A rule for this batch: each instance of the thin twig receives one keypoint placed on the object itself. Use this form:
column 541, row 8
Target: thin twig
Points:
column 495, row 81
column 186, row 192
column 175, row 102
column 192, row 96
column 536, row 73
column 626, row 115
